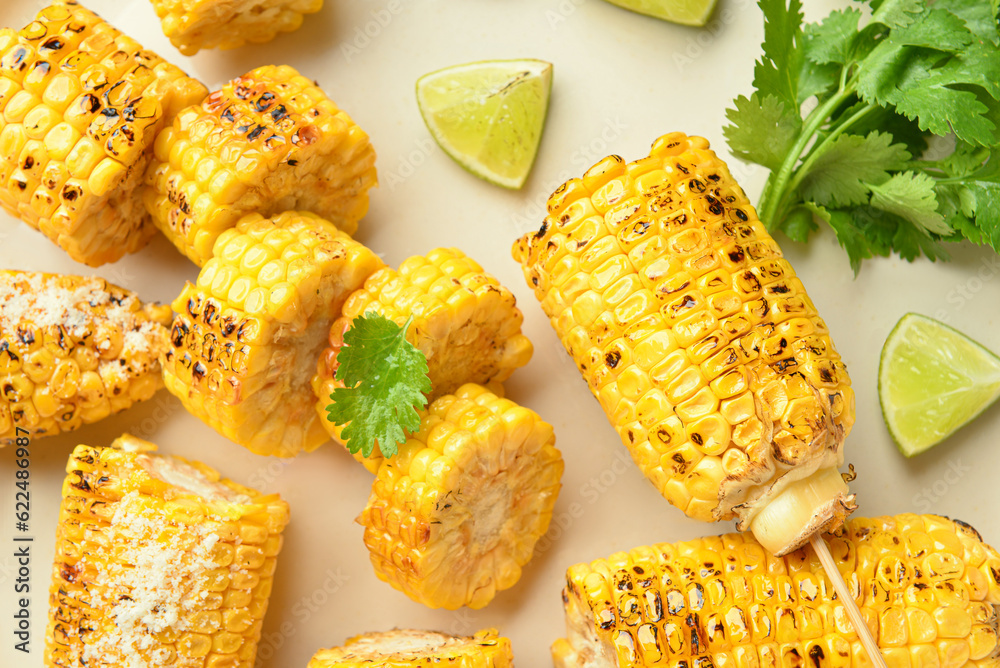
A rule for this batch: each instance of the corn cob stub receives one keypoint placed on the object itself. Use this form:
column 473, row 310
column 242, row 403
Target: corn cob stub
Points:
column 464, row 321
column 246, row 337
column 209, row 24
column 158, row 562
column 698, row 340
column 401, row 648
column 73, row 350
column 927, row 587
column 455, row 514
column 267, row 142
column 80, row 106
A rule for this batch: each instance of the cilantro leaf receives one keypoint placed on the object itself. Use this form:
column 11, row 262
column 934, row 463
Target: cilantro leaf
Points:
column 385, row 382
column 777, row 70
column 937, row 29
column 881, row 119
column 979, row 17
column 799, row 224
column 910, row 243
column 896, row 13
column 911, row 196
column 942, row 109
column 978, row 65
column 816, row 79
column 859, row 244
column 763, row 129
column 832, row 40
column 840, row 176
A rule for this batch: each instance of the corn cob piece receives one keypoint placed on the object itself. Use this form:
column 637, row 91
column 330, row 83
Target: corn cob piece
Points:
column 159, row 562
column 464, row 321
column 402, row 648
column 80, row 106
column 698, row 340
column 245, row 341
column 455, row 514
column 73, row 350
column 192, row 25
column 928, row 587
column 267, row 142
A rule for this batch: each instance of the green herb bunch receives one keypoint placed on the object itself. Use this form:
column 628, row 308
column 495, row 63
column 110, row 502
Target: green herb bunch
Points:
column 845, row 110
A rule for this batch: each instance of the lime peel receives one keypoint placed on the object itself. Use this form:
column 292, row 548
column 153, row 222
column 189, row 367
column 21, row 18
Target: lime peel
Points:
column 488, row 116
column 686, row 12
column 932, row 381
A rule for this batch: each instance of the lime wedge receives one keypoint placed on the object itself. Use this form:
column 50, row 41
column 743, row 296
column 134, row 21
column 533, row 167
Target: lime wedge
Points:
column 685, row 12
column 931, row 381
column 488, row 116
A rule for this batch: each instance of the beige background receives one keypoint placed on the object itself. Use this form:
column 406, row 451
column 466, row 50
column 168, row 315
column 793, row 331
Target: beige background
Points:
column 620, row 81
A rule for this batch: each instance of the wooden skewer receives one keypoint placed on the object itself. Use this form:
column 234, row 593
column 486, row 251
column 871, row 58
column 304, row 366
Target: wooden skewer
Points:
column 843, row 593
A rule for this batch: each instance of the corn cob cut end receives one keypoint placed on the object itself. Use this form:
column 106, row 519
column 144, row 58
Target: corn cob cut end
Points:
column 784, row 520
column 80, row 106
column 74, row 350
column 406, row 647
column 159, row 561
column 455, row 514
column 268, row 141
column 927, row 587
column 246, row 338
column 205, row 24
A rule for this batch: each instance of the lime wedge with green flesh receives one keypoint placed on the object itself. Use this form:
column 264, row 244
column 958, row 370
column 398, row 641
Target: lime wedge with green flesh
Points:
column 932, row 380
column 685, row 12
column 488, row 116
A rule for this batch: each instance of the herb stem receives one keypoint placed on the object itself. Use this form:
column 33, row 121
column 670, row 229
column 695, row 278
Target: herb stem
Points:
column 824, row 146
column 770, row 204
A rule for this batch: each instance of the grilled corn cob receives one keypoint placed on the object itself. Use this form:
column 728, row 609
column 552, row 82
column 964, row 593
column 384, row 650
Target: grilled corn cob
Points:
column 267, row 142
column 158, row 562
column 698, row 340
column 80, row 106
column 209, row 24
column 456, row 513
column 73, row 350
column 402, row 648
column 928, row 587
column 464, row 321
column 245, row 341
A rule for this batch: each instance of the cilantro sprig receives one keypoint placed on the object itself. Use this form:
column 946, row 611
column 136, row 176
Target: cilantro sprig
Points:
column 385, row 383
column 885, row 127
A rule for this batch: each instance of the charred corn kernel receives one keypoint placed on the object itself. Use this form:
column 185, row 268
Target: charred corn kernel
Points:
column 244, row 344
column 209, row 24
column 144, row 573
column 73, row 350
column 402, row 648
column 267, row 142
column 723, row 601
column 455, row 515
column 698, row 340
column 464, row 321
column 80, row 105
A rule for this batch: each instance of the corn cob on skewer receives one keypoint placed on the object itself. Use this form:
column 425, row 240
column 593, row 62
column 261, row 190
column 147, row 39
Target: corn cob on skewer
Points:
column 246, row 337
column 404, row 647
column 80, row 106
column 158, row 562
column 698, row 340
column 927, row 586
column 73, row 350
column 465, row 322
column 208, row 24
column 267, row 142
column 456, row 513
